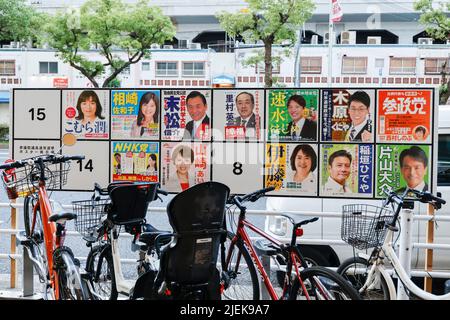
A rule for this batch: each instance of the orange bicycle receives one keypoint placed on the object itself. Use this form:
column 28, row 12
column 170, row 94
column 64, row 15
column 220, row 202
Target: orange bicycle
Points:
column 44, row 221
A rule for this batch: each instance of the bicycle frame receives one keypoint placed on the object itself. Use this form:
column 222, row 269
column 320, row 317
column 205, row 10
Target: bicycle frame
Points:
column 241, row 233
column 378, row 268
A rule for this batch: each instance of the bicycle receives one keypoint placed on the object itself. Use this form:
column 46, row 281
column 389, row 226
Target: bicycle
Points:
column 239, row 280
column 45, row 230
column 366, row 226
column 100, row 220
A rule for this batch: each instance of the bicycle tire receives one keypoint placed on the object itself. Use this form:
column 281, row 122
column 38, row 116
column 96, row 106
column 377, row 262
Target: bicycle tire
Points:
column 237, row 285
column 316, row 279
column 70, row 283
column 38, row 230
column 381, row 292
column 105, row 284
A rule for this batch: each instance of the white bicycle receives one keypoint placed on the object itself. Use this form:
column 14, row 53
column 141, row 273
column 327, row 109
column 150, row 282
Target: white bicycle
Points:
column 365, row 226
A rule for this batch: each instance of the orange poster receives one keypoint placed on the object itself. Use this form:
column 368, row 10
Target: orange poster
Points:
column 404, row 116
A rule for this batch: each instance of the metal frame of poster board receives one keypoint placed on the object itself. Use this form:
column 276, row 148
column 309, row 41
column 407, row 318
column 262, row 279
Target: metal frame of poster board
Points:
column 319, row 143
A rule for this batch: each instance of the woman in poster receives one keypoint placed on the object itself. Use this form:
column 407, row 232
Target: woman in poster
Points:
column 303, row 162
column 89, row 107
column 146, row 123
column 182, row 159
column 152, row 167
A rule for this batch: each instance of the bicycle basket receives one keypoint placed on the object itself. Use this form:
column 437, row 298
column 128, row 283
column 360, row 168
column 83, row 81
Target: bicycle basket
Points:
column 363, row 226
column 89, row 213
column 17, row 182
column 56, row 175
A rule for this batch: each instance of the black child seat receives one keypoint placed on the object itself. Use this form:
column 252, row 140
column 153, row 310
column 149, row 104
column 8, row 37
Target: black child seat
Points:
column 189, row 262
column 129, row 202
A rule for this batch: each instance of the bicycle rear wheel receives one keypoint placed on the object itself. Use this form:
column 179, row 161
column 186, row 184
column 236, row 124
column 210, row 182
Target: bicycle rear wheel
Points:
column 99, row 266
column 70, row 283
column 378, row 290
column 239, row 273
column 322, row 284
column 36, row 231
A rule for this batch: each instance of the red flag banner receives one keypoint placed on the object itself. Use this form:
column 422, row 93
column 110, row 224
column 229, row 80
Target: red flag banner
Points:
column 336, row 13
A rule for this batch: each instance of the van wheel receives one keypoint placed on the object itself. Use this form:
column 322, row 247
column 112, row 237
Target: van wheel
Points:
column 312, row 256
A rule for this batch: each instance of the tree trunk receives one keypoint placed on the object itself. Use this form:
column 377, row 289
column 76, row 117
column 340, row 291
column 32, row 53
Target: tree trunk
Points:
column 268, row 63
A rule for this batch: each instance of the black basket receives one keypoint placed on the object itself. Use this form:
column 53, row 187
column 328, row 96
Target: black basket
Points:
column 89, row 213
column 363, row 225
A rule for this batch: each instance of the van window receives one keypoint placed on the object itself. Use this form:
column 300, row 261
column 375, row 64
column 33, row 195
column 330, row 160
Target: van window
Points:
column 444, row 160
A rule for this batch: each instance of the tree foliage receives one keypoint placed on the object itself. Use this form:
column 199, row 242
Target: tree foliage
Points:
column 121, row 33
column 436, row 18
column 18, row 21
column 269, row 21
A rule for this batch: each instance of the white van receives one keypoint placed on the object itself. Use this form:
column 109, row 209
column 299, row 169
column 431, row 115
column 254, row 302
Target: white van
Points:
column 329, row 228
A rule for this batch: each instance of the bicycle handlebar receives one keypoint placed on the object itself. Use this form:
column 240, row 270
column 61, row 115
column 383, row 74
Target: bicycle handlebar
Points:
column 422, row 196
column 238, row 201
column 44, row 158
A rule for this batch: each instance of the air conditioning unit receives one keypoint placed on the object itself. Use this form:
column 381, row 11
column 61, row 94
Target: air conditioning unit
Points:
column 168, row 46
column 155, row 46
column 326, row 38
column 447, row 42
column 373, row 40
column 14, row 44
column 348, row 37
column 315, row 39
column 195, row 46
column 6, row 46
column 425, row 41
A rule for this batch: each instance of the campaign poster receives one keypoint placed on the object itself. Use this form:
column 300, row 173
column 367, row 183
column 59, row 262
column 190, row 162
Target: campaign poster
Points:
column 292, row 168
column 86, row 113
column 135, row 114
column 346, row 170
column 404, row 116
column 135, row 161
column 401, row 166
column 184, row 165
column 292, row 114
column 238, row 114
column 348, row 115
column 186, row 115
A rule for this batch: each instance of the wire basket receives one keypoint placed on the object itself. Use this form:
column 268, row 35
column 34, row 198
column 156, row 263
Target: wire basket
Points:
column 363, row 225
column 21, row 182
column 89, row 213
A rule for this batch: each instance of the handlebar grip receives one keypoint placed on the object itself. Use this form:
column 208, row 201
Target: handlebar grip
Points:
column 11, row 165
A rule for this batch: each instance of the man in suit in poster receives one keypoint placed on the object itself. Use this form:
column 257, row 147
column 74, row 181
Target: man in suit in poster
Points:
column 245, row 103
column 413, row 166
column 300, row 128
column 359, row 112
column 199, row 127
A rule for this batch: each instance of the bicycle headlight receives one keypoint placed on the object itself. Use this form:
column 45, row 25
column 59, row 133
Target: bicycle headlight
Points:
column 278, row 225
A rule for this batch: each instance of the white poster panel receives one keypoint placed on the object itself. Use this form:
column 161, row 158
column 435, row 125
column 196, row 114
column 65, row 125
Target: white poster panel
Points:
column 238, row 165
column 93, row 168
column 186, row 115
column 184, row 165
column 86, row 113
column 37, row 114
column 238, row 115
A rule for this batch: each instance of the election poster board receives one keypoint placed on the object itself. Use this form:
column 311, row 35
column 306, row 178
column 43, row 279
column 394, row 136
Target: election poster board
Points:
column 305, row 142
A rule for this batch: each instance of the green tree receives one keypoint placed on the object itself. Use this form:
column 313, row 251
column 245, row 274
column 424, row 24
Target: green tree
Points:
column 18, row 21
column 436, row 19
column 269, row 21
column 114, row 29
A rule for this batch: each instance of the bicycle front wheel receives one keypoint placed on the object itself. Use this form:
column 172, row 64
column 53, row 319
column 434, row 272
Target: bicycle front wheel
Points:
column 238, row 272
column 99, row 266
column 33, row 229
column 70, row 284
column 319, row 283
column 355, row 271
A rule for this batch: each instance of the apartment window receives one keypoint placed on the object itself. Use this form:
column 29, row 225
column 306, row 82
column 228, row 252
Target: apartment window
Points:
column 7, row 67
column 126, row 71
column 402, row 66
column 262, row 68
column 311, row 64
column 166, row 69
column 354, row 65
column 434, row 65
column 48, row 67
column 193, row 69
column 145, row 66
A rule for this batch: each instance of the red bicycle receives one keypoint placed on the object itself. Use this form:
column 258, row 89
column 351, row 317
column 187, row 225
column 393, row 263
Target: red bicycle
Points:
column 239, row 256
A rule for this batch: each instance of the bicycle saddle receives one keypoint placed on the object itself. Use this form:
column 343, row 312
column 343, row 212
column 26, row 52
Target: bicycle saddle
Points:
column 62, row 217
